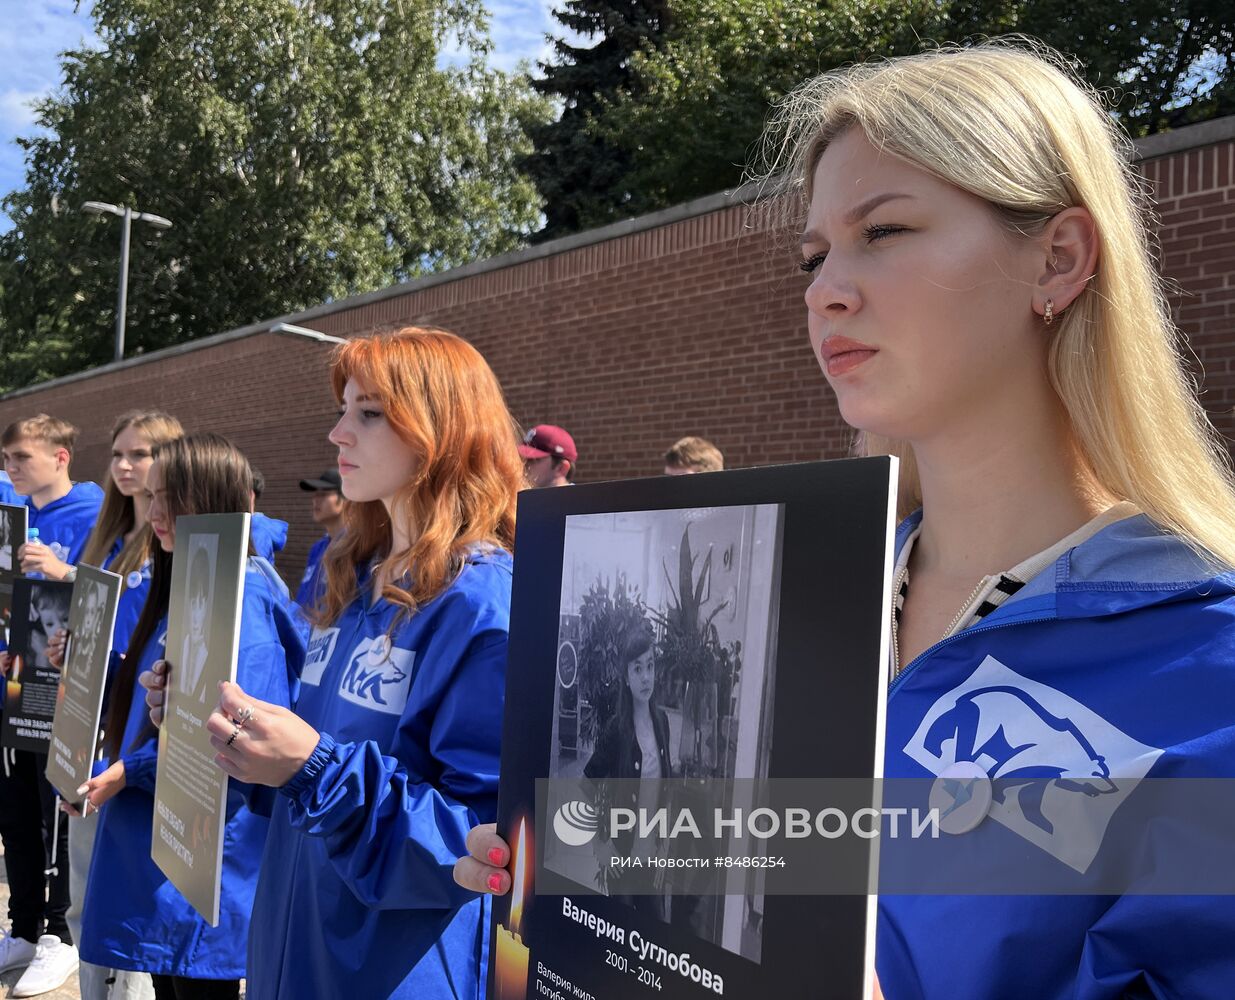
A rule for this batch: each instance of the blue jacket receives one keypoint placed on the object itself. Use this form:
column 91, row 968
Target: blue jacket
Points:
column 1115, row 663
column 356, row 896
column 65, row 524
column 134, row 589
column 268, row 535
column 133, row 918
column 313, row 578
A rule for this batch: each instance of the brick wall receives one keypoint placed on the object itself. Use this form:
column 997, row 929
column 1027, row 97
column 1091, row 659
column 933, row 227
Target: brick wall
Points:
column 686, row 323
column 267, row 393
column 696, row 327
column 1195, row 195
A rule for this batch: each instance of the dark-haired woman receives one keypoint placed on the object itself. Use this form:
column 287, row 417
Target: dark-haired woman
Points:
column 634, row 745
column 134, row 918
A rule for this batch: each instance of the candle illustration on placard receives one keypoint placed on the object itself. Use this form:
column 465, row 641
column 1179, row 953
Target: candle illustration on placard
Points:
column 512, row 953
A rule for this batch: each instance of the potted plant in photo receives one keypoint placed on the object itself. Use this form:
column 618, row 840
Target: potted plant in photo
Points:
column 700, row 666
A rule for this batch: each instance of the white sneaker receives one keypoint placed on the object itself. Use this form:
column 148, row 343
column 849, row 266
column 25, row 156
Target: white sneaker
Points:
column 53, row 963
column 14, row 952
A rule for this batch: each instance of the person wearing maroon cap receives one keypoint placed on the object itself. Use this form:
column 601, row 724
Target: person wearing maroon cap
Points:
column 549, row 456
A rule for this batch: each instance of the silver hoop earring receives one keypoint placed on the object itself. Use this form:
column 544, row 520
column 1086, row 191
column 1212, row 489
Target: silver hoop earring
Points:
column 1048, row 312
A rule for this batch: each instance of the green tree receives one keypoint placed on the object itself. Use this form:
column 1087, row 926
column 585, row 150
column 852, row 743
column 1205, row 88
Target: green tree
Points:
column 305, row 151
column 580, row 173
column 1166, row 64
column 699, row 98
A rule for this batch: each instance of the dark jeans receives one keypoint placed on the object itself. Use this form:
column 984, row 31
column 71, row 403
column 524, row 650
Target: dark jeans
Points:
column 38, row 902
column 179, row 988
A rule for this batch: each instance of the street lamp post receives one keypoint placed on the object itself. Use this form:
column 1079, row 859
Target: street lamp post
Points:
column 126, row 216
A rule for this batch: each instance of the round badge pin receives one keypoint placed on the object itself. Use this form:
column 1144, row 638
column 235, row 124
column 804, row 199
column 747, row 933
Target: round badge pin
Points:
column 133, row 580
column 379, row 652
column 961, row 796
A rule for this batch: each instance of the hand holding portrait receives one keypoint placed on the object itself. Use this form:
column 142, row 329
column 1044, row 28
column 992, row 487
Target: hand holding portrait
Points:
column 258, row 742
column 55, row 648
column 154, row 681
column 484, row 868
column 98, row 790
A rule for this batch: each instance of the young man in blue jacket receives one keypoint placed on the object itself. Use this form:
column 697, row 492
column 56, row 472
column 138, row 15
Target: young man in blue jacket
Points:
column 37, row 454
column 327, row 490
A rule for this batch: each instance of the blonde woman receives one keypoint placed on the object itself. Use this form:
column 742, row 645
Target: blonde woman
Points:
column 983, row 303
column 122, row 542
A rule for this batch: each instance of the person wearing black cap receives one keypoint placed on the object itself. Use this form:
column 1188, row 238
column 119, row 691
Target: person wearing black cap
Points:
column 327, row 490
column 549, row 456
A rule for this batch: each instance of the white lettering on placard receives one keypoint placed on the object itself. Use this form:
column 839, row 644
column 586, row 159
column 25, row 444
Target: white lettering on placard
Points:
column 166, row 814
column 182, row 852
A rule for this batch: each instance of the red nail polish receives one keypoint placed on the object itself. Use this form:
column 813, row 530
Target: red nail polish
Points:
column 497, row 856
column 495, row 882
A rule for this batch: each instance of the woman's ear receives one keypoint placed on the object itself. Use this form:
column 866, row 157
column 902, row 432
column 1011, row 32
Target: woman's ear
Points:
column 1070, row 259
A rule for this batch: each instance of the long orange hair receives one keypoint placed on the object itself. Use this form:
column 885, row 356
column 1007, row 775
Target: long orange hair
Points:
column 442, row 398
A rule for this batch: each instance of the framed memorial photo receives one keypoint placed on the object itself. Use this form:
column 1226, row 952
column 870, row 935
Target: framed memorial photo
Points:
column 40, row 610
column 687, row 654
column 13, row 520
column 83, row 679
column 203, row 638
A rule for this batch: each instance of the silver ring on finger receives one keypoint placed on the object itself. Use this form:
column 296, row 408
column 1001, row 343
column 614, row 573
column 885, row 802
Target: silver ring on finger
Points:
column 242, row 717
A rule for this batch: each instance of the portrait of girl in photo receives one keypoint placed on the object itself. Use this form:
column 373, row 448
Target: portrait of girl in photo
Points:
column 634, row 744
column 195, row 650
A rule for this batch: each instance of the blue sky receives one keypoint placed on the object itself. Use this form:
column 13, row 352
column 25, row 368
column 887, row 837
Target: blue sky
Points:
column 34, row 32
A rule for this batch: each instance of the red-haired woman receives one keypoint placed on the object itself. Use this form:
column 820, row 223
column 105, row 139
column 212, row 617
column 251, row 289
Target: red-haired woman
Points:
column 391, row 753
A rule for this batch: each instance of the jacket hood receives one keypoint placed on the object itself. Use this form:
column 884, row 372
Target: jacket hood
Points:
column 268, row 535
column 1130, row 564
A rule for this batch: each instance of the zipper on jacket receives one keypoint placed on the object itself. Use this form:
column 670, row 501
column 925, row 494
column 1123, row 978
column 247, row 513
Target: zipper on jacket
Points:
column 897, row 583
column 973, row 596
column 948, row 632
column 917, row 660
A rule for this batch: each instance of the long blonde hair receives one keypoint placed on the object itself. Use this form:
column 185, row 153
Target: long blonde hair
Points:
column 116, row 516
column 1008, row 122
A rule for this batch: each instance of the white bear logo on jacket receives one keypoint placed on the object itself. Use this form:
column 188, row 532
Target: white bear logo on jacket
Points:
column 378, row 676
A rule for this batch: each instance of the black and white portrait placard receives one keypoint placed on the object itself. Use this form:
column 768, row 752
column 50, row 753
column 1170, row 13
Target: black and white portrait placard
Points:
column 666, row 645
column 203, row 641
column 13, row 520
column 83, row 679
column 677, row 645
column 40, row 610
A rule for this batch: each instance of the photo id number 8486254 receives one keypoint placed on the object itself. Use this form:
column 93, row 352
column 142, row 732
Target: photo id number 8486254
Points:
column 619, row 962
column 747, row 861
